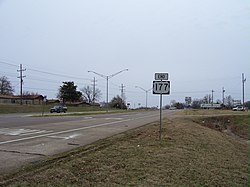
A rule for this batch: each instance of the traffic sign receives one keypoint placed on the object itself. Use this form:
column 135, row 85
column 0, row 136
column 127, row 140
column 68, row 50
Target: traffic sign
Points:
column 161, row 76
column 161, row 87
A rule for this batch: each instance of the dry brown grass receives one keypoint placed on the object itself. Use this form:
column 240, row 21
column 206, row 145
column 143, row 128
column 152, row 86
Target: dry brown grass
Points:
column 188, row 155
column 236, row 125
column 207, row 112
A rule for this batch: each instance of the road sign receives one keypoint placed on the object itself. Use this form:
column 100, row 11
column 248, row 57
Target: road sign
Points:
column 161, row 87
column 161, row 76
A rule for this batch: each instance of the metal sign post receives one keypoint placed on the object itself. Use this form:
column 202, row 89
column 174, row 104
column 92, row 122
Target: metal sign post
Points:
column 160, row 117
column 161, row 87
column 43, row 103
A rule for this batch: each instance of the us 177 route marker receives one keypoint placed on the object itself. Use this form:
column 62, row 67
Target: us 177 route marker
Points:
column 161, row 86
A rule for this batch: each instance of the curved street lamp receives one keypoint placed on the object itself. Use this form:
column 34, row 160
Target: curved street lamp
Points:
column 146, row 91
column 107, row 77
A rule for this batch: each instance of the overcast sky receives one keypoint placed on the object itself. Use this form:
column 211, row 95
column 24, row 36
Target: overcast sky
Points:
column 204, row 45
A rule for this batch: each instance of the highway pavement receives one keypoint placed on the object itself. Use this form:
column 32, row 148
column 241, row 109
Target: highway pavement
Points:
column 25, row 139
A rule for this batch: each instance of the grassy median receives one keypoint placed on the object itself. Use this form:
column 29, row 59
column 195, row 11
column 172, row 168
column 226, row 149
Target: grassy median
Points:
column 190, row 154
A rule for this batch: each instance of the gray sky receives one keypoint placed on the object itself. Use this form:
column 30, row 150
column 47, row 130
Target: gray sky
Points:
column 203, row 45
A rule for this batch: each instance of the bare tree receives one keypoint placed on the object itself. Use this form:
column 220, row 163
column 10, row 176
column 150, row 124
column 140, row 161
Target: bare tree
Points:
column 5, row 86
column 218, row 101
column 229, row 101
column 28, row 93
column 207, row 99
column 89, row 95
column 197, row 103
column 172, row 102
column 118, row 102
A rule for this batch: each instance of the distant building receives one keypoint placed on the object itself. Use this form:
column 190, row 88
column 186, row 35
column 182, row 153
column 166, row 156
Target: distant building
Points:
column 52, row 101
column 211, row 106
column 237, row 103
column 29, row 99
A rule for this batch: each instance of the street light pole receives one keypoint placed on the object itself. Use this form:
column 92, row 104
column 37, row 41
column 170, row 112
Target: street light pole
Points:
column 107, row 77
column 146, row 91
column 212, row 97
column 107, row 96
column 243, row 88
column 223, row 96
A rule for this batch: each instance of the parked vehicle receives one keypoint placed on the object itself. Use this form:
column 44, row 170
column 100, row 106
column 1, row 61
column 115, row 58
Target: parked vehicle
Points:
column 59, row 109
column 239, row 108
column 172, row 108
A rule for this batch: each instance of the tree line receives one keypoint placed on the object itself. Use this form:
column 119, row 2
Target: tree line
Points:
column 67, row 92
column 207, row 99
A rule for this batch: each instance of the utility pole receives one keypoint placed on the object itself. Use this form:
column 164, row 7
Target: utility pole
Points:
column 21, row 82
column 94, row 86
column 212, row 97
column 122, row 92
column 243, row 88
column 223, row 96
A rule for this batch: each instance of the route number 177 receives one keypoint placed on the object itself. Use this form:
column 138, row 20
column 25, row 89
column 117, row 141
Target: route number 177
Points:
column 161, row 87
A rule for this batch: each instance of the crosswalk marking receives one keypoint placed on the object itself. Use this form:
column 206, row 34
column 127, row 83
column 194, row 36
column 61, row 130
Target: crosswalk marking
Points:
column 21, row 132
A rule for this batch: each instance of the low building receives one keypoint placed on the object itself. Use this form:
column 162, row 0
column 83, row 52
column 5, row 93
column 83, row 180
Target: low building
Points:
column 211, row 106
column 6, row 99
column 52, row 101
column 29, row 99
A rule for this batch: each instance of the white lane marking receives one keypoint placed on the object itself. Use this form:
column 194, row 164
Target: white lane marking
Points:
column 20, row 132
column 65, row 137
column 72, row 130
column 38, row 132
column 113, row 118
column 62, row 132
column 12, row 132
column 88, row 117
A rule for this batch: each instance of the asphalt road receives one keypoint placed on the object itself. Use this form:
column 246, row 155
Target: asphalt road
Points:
column 25, row 139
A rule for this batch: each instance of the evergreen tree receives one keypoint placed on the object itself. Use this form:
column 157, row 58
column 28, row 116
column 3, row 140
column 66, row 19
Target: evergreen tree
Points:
column 68, row 92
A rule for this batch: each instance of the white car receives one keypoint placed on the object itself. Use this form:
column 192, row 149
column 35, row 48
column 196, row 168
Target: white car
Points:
column 239, row 108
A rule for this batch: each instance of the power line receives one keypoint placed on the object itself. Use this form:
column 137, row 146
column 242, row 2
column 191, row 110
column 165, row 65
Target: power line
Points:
column 210, row 79
column 184, row 92
column 2, row 62
column 56, row 74
column 46, row 72
column 113, row 87
column 38, row 88
column 43, row 80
